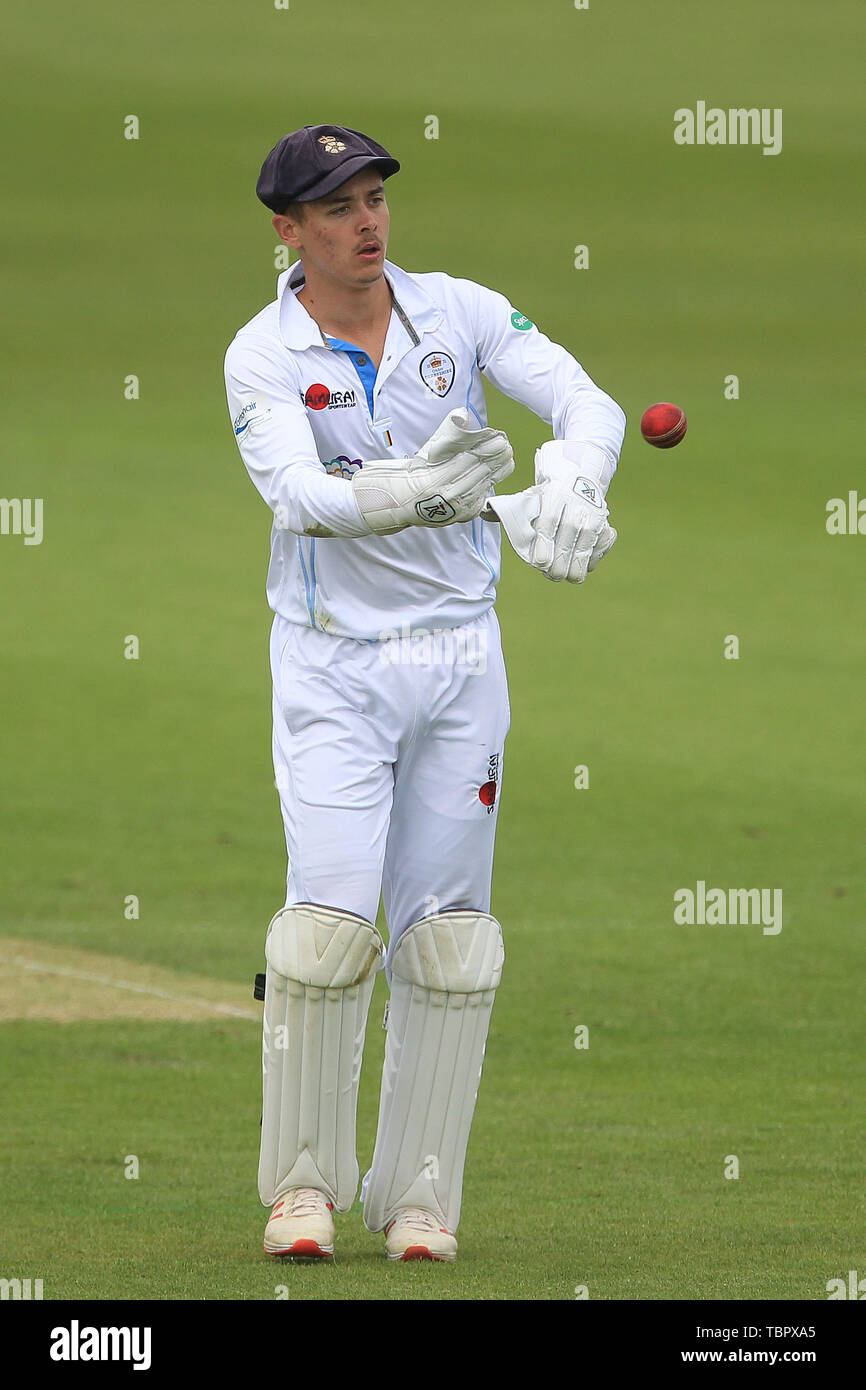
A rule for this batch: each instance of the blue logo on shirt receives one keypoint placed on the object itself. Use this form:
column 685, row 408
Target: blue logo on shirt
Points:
column 255, row 412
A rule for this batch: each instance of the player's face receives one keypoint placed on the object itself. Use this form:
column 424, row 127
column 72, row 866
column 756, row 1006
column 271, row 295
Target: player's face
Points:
column 344, row 235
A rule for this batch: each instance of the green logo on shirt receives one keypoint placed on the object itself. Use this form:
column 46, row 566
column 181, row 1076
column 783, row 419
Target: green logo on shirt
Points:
column 520, row 321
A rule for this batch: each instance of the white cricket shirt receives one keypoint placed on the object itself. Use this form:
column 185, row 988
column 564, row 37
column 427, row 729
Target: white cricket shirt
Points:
column 307, row 411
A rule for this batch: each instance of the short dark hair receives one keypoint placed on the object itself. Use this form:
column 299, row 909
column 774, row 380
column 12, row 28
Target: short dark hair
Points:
column 295, row 211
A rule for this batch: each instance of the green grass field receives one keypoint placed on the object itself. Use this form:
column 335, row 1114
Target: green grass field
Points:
column 604, row 1166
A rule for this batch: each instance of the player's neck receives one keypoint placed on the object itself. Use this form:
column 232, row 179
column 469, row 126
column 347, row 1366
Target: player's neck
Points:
column 347, row 311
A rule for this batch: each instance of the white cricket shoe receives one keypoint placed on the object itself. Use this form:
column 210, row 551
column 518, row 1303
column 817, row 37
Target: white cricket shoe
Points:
column 301, row 1225
column 416, row 1234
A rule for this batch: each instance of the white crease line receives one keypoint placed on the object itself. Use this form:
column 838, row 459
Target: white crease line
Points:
column 127, row 984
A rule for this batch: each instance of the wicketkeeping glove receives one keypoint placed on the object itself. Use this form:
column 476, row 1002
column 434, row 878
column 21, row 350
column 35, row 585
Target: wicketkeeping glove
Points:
column 559, row 526
column 447, row 480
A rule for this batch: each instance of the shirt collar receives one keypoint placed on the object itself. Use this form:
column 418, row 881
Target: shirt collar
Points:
column 298, row 330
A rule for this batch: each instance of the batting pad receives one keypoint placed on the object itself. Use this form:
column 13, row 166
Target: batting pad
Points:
column 444, row 974
column 321, row 968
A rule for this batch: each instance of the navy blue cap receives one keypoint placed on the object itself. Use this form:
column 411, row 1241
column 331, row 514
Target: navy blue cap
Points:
column 312, row 162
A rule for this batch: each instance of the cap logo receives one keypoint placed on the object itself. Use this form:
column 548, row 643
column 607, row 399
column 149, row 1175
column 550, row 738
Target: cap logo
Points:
column 332, row 144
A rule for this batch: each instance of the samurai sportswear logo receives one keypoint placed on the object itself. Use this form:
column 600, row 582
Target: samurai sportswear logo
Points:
column 319, row 397
column 520, row 321
column 487, row 793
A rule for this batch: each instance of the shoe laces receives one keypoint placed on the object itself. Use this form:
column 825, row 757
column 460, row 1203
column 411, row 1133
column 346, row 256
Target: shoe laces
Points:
column 305, row 1201
column 419, row 1220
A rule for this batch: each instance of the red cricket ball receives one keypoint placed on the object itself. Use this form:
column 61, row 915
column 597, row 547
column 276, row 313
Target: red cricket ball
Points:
column 663, row 425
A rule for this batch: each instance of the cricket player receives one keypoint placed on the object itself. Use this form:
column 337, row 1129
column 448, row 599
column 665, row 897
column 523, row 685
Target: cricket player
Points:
column 358, row 407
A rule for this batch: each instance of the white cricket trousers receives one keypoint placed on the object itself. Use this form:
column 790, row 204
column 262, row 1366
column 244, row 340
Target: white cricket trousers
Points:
column 388, row 761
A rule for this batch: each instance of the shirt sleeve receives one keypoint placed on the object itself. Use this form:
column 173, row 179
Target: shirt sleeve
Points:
column 524, row 364
column 279, row 449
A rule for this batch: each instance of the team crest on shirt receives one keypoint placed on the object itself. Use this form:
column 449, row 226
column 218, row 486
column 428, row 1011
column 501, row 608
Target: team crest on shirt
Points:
column 437, row 372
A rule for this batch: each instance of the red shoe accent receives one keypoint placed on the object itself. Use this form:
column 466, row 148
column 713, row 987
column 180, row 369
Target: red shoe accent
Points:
column 418, row 1252
column 303, row 1249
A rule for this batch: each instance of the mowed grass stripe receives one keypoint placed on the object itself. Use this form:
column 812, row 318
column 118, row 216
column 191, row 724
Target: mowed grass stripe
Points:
column 66, row 985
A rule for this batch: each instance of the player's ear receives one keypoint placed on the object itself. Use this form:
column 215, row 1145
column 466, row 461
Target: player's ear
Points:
column 287, row 229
